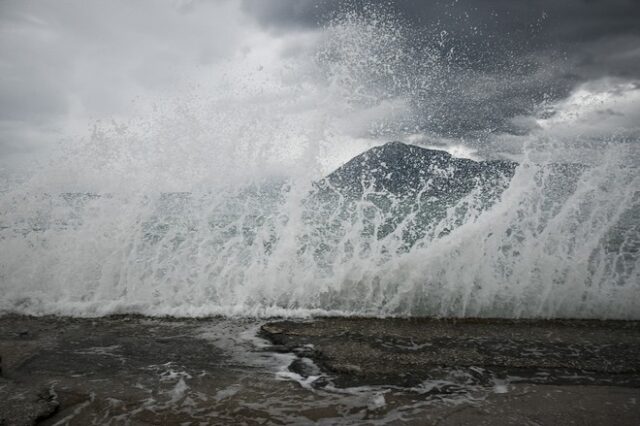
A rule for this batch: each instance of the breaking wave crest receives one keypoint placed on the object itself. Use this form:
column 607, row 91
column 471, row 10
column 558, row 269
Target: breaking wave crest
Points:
column 216, row 204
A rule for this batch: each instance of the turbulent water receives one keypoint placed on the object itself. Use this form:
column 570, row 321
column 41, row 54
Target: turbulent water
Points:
column 216, row 203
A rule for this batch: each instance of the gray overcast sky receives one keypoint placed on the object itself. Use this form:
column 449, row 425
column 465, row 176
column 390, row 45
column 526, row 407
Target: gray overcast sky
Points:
column 66, row 63
column 533, row 48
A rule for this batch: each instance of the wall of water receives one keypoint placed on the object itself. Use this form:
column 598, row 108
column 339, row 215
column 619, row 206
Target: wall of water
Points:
column 200, row 205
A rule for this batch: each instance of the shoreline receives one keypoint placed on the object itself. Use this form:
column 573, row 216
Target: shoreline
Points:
column 359, row 351
column 341, row 370
column 267, row 318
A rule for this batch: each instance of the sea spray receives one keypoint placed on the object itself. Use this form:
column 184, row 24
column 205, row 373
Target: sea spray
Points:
column 208, row 204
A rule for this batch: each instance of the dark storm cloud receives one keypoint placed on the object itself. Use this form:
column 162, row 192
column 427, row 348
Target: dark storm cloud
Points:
column 508, row 56
column 568, row 20
column 487, row 28
column 66, row 63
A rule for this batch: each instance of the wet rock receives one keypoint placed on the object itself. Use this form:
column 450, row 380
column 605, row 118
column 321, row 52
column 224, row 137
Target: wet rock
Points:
column 304, row 351
column 304, row 367
column 406, row 352
column 275, row 335
column 271, row 329
column 349, row 369
column 321, row 382
column 168, row 371
column 281, row 349
column 20, row 405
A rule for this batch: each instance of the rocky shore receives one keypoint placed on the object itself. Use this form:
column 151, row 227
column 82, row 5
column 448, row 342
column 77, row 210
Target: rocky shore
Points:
column 137, row 370
column 406, row 352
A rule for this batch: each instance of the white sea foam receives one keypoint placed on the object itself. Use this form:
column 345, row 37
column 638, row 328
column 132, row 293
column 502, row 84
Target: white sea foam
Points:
column 198, row 208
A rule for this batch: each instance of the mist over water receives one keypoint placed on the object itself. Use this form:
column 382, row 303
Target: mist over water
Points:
column 206, row 204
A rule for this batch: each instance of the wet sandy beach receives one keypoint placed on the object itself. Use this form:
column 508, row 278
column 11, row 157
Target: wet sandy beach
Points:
column 138, row 370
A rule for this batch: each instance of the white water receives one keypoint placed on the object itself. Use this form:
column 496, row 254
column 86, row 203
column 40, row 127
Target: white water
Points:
column 237, row 241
